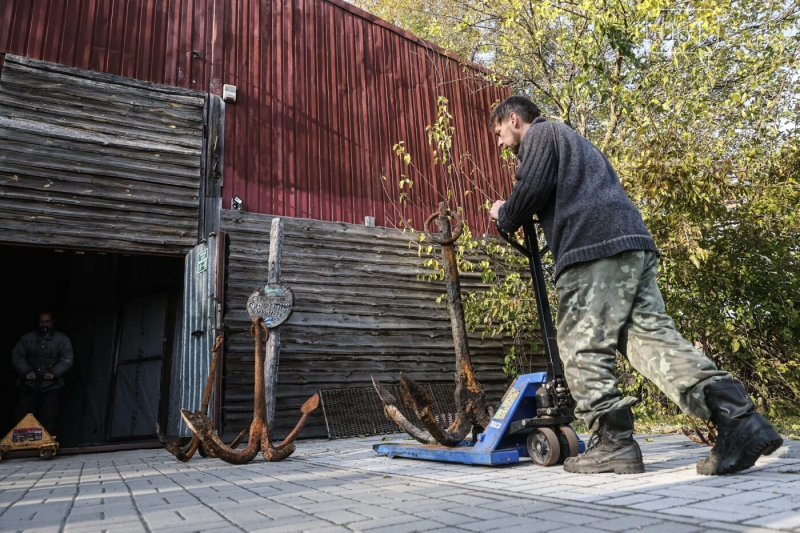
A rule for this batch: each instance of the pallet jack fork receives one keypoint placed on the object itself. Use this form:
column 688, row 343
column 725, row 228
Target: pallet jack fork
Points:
column 29, row 434
column 534, row 416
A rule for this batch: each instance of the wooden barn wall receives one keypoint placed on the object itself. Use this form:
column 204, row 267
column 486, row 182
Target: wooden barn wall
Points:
column 91, row 160
column 324, row 92
column 360, row 311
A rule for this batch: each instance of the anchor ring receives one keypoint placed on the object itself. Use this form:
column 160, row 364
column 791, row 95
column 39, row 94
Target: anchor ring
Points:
column 456, row 232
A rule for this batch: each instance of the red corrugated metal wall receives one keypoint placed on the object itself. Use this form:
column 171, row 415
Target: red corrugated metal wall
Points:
column 324, row 92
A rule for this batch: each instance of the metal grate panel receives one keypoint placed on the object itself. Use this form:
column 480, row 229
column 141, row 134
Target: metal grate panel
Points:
column 358, row 411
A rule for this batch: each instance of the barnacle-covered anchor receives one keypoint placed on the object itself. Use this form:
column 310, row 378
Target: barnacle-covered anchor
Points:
column 184, row 453
column 473, row 414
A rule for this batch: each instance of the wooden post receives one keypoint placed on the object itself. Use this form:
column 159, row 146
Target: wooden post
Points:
column 274, row 342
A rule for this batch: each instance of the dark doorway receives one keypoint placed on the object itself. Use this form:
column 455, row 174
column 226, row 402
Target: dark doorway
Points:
column 120, row 313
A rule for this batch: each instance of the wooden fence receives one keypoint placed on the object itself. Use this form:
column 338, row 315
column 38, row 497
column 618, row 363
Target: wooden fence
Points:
column 361, row 310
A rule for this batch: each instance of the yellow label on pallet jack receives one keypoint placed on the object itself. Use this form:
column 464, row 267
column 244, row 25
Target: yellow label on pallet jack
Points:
column 509, row 398
column 29, row 435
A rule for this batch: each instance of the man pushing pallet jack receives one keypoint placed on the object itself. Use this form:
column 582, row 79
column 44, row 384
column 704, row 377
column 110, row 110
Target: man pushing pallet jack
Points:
column 608, row 300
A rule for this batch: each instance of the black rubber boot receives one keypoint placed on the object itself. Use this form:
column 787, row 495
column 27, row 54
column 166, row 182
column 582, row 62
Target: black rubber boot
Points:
column 742, row 434
column 611, row 448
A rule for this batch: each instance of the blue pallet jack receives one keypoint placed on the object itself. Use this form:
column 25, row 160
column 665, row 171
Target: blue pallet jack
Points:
column 534, row 416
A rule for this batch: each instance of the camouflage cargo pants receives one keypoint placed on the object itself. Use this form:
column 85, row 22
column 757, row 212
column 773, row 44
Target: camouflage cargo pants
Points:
column 614, row 304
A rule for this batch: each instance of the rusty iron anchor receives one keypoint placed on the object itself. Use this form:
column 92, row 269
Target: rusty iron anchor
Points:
column 260, row 438
column 473, row 414
column 184, row 453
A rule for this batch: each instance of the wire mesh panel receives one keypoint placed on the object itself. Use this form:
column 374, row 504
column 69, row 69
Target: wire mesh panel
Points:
column 358, row 411
column 444, row 402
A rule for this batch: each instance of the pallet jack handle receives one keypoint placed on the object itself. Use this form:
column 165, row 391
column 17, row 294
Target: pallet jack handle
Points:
column 555, row 371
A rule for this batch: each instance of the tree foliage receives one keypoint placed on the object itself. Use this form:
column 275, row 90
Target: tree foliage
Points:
column 695, row 104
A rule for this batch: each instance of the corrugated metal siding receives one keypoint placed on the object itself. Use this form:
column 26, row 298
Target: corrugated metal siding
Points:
column 360, row 310
column 190, row 369
column 324, row 91
column 96, row 161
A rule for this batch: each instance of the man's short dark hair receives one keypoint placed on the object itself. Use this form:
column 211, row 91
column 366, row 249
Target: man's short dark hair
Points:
column 519, row 105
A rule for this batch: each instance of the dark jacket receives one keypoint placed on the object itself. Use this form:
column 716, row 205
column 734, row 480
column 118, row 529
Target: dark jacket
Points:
column 571, row 186
column 42, row 354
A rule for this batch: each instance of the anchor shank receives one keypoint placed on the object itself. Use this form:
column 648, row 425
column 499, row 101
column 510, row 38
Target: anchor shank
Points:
column 470, row 401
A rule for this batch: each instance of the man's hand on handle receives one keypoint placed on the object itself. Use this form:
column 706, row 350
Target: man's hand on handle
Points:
column 495, row 210
column 30, row 376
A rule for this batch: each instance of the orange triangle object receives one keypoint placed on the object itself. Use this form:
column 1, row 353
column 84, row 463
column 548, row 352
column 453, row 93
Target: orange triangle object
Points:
column 28, row 434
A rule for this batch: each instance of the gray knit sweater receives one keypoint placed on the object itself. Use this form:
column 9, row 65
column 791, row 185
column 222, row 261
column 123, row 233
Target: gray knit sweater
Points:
column 580, row 203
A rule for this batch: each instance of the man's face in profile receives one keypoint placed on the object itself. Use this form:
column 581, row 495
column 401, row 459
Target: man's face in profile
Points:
column 508, row 134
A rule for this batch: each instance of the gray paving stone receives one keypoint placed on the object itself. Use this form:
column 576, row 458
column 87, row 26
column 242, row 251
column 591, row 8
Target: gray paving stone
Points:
column 332, row 529
column 671, row 527
column 623, row 523
column 512, row 523
column 661, row 504
column 739, row 514
column 334, row 482
column 565, row 517
column 630, row 499
column 340, row 516
column 375, row 512
column 397, row 524
column 479, row 513
column 445, row 517
column 573, row 529
column 785, row 520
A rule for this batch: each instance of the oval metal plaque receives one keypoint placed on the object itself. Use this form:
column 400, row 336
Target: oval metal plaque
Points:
column 272, row 302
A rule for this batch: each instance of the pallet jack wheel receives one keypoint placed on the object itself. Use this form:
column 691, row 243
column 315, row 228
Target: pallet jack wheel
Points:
column 47, row 455
column 570, row 446
column 543, row 447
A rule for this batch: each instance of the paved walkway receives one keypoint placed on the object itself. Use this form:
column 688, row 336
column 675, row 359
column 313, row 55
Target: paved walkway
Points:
column 329, row 486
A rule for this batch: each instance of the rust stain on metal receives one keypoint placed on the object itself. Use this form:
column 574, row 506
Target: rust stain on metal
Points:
column 260, row 437
column 472, row 412
column 394, row 413
column 184, row 453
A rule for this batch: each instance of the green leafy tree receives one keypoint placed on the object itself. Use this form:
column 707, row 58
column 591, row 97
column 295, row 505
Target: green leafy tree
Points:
column 695, row 104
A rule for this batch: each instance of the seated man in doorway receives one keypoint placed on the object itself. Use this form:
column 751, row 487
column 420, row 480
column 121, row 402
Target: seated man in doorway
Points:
column 40, row 359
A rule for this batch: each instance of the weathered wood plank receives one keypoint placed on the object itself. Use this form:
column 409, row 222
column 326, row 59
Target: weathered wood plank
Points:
column 88, row 243
column 61, row 132
column 135, row 119
column 160, row 113
column 53, row 211
column 56, row 77
column 44, row 66
column 71, row 200
column 273, row 348
column 165, row 159
column 82, row 126
column 55, row 227
column 50, row 170
column 91, row 188
column 120, row 166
